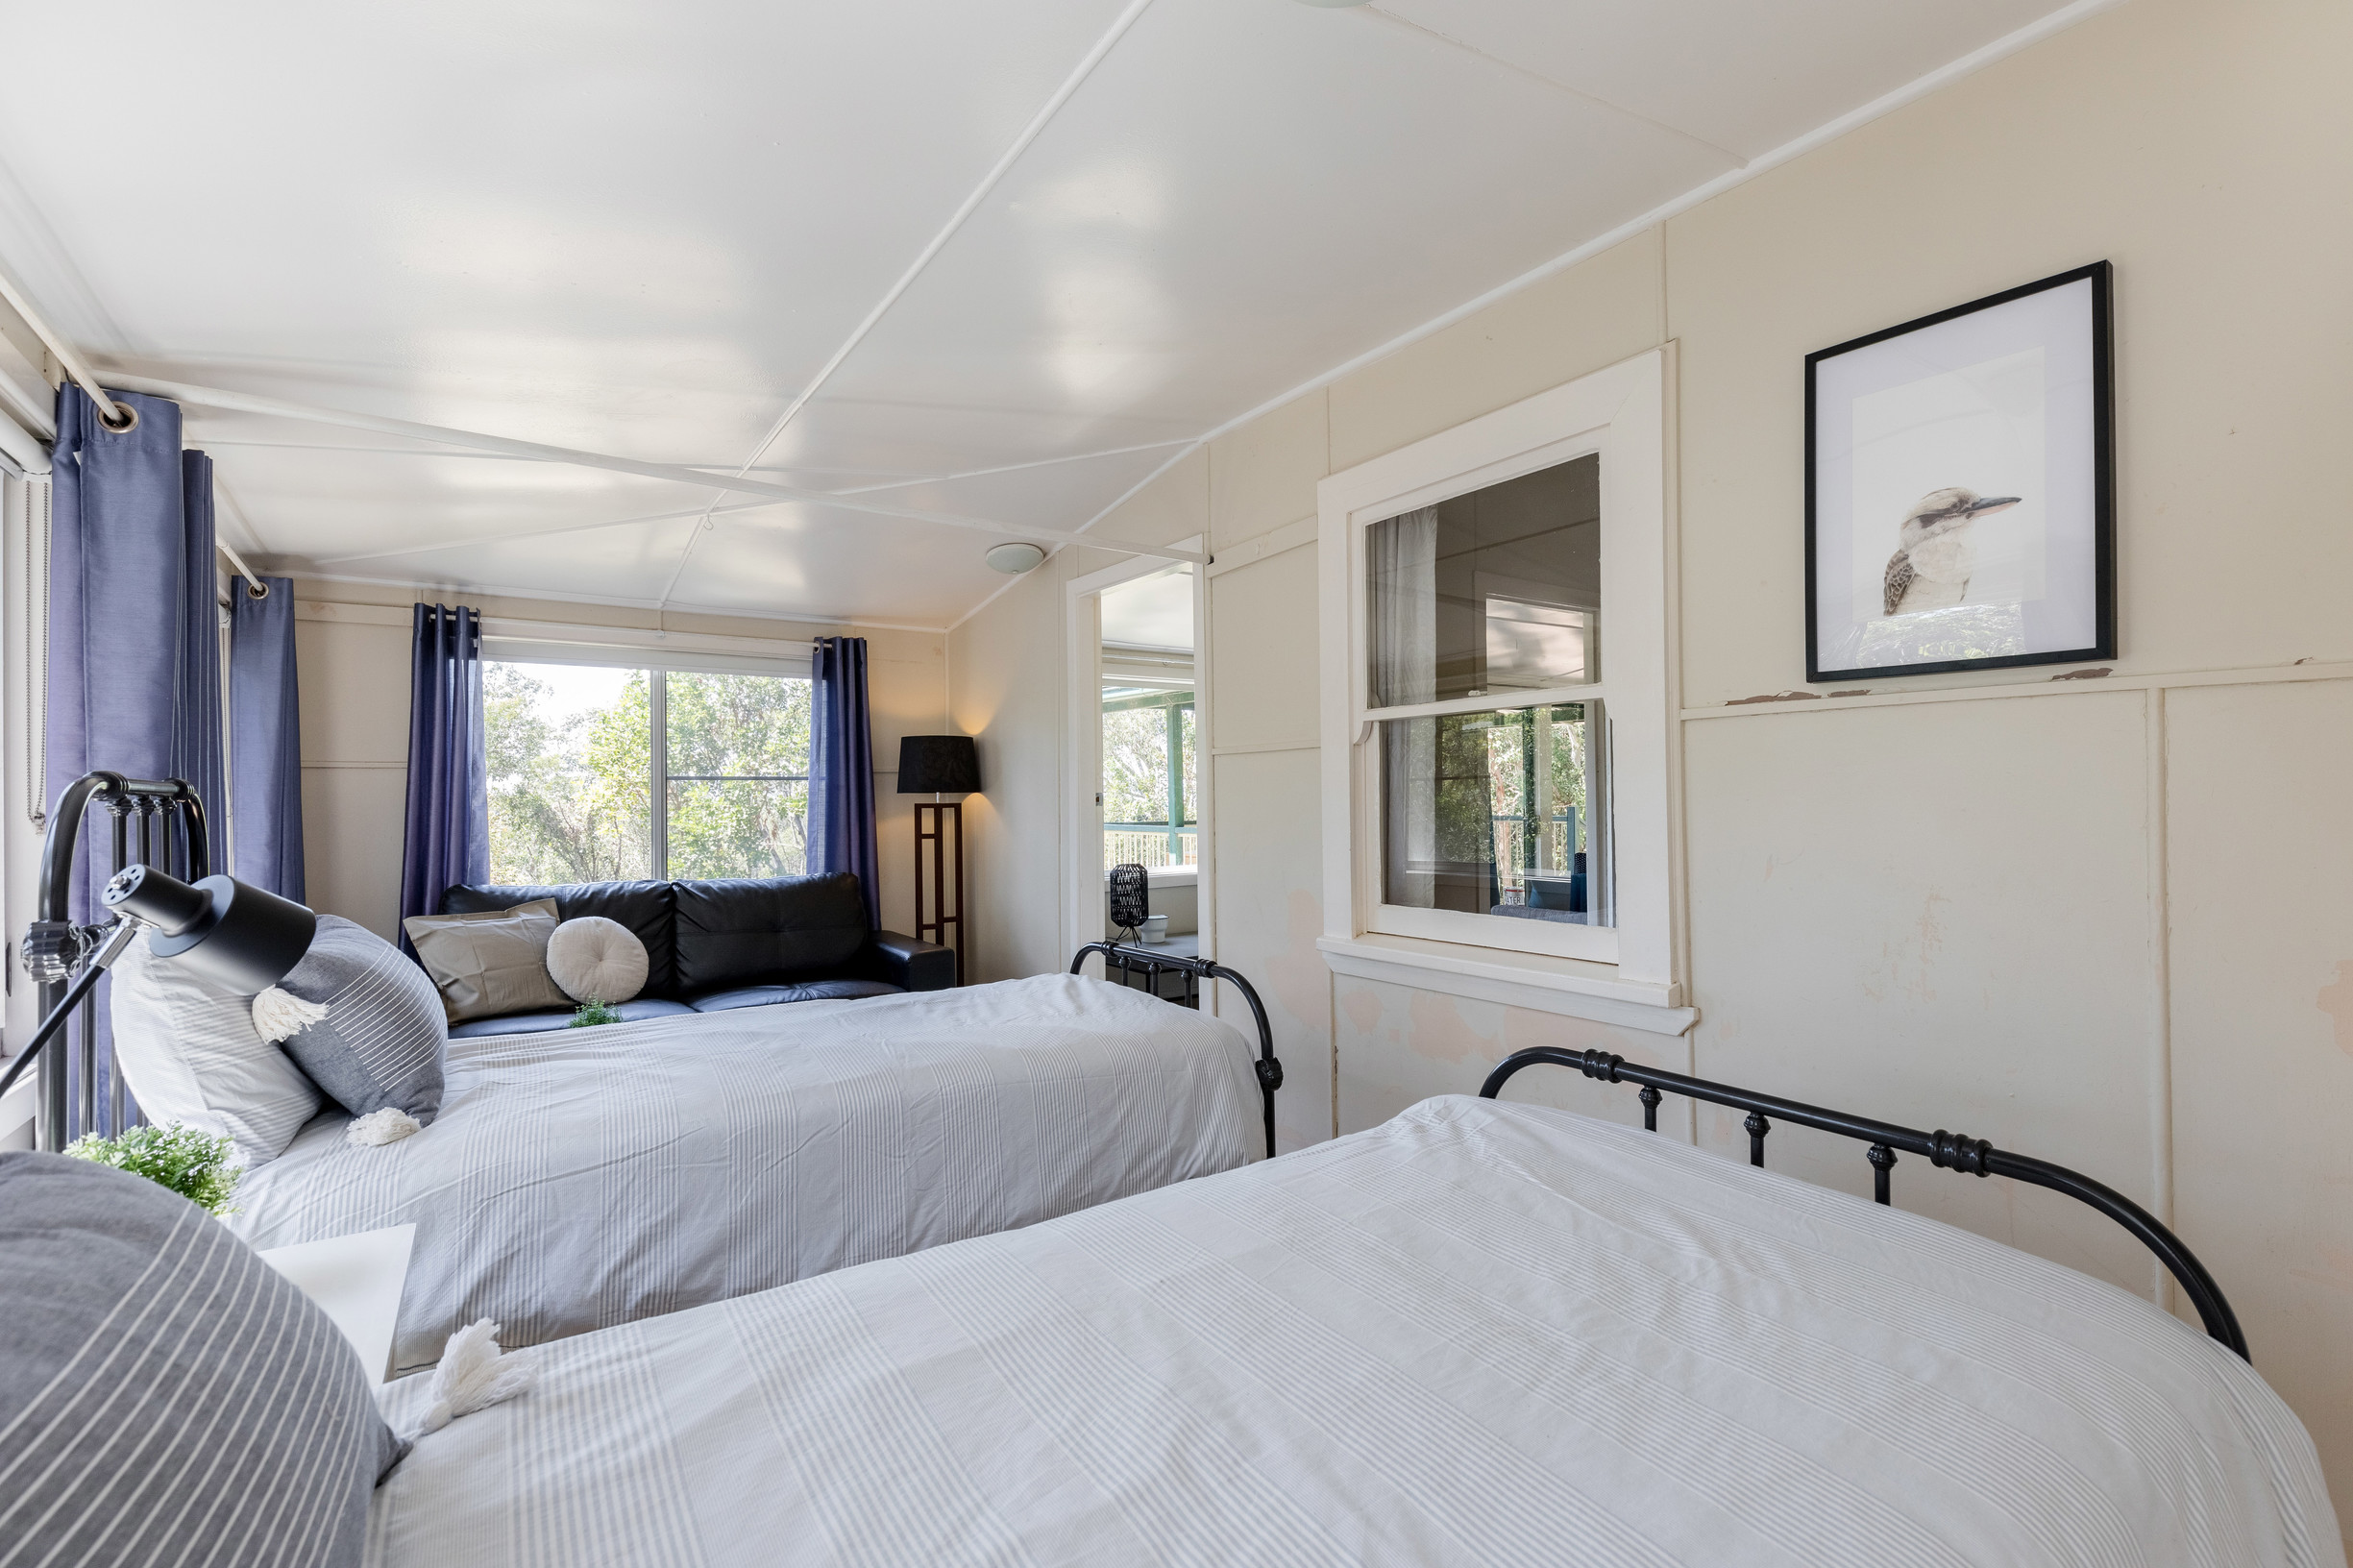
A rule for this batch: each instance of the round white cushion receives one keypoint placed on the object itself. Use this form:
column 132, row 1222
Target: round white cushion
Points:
column 596, row 960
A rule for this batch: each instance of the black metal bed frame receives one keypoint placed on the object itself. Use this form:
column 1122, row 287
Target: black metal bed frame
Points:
column 1135, row 961
column 1948, row 1151
column 157, row 806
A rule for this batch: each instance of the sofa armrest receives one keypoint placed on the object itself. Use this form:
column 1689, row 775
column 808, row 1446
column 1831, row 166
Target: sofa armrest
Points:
column 917, row 965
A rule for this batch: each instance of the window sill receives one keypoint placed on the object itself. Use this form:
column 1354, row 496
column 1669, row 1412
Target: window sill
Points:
column 1564, row 985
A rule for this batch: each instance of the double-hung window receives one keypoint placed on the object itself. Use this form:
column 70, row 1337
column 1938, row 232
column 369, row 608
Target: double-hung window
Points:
column 1495, row 697
column 609, row 772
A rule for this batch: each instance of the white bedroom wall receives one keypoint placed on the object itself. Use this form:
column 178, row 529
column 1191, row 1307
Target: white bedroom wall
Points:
column 353, row 674
column 2106, row 921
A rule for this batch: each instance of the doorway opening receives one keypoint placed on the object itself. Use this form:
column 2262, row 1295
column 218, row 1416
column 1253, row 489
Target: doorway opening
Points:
column 1139, row 754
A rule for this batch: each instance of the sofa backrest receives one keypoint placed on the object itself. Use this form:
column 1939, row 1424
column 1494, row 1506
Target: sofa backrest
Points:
column 647, row 908
column 763, row 930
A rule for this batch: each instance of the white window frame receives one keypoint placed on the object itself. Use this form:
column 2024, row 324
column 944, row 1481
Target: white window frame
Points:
column 1626, row 972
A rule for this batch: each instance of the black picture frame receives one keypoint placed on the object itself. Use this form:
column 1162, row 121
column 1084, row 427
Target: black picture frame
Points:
column 2103, row 463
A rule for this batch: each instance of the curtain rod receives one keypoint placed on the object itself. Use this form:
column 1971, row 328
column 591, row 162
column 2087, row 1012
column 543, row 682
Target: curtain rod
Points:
column 255, row 587
column 116, row 416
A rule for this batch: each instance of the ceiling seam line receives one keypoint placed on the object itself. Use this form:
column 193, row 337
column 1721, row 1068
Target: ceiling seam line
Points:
column 1829, row 131
column 471, row 540
column 1377, row 13
column 2009, row 43
column 671, row 473
column 939, row 243
column 972, row 203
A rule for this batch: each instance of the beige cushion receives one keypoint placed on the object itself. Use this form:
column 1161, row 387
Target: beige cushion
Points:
column 596, row 959
column 487, row 966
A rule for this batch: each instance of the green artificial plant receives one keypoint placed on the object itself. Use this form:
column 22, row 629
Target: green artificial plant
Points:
column 199, row 1166
column 592, row 1013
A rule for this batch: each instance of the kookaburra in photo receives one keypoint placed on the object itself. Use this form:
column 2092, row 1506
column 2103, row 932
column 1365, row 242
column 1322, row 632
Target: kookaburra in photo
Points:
column 1931, row 569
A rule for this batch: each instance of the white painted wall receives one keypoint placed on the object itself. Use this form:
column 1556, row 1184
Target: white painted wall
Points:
column 354, row 672
column 2106, row 921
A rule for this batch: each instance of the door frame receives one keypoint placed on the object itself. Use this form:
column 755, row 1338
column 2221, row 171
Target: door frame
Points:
column 1082, row 806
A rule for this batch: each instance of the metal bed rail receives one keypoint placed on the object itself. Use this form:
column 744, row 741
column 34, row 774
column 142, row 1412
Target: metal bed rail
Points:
column 157, row 823
column 1143, row 960
column 1947, row 1151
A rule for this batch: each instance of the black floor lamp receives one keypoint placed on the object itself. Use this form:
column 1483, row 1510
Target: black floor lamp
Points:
column 939, row 765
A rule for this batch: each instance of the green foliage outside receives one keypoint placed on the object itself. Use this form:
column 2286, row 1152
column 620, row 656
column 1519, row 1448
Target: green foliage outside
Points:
column 593, row 1013
column 738, row 724
column 1482, row 777
column 568, row 798
column 1136, row 765
column 197, row 1166
column 571, row 798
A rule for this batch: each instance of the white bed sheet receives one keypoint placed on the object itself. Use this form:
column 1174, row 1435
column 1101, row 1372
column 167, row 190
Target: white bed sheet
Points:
column 587, row 1177
column 1481, row 1333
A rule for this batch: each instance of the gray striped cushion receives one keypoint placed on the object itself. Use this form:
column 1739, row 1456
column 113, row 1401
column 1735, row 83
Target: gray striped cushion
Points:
column 165, row 1397
column 384, row 1032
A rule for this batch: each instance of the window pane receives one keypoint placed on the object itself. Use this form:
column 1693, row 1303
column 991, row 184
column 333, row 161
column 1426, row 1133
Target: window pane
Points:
column 570, row 751
column 1498, row 813
column 739, row 772
column 738, row 827
column 1491, row 592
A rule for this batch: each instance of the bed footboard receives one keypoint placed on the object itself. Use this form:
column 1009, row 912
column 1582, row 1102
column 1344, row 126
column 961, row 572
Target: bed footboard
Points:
column 1948, row 1151
column 1151, row 965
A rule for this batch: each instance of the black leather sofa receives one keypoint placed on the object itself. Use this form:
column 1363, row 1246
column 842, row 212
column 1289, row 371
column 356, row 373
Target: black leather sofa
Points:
column 714, row 946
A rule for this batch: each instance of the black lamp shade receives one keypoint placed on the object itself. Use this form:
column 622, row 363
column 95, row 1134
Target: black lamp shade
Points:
column 221, row 928
column 938, row 765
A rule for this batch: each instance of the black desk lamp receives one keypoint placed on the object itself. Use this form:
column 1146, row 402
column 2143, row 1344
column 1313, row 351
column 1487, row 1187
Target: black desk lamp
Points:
column 220, row 928
column 940, row 765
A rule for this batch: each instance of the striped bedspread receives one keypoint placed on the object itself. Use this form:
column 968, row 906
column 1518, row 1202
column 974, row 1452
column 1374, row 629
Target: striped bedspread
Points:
column 1481, row 1333
column 589, row 1177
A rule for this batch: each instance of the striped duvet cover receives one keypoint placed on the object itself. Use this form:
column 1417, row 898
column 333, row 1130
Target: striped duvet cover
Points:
column 1481, row 1333
column 589, row 1177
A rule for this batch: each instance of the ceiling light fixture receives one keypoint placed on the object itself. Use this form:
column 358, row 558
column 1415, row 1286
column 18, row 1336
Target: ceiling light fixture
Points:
column 1013, row 560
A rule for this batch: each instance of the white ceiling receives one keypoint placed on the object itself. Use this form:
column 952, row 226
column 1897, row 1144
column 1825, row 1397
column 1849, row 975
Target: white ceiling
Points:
column 647, row 231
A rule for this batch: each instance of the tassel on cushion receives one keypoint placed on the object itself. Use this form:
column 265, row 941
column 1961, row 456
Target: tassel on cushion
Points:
column 472, row 1376
column 389, row 1126
column 281, row 1015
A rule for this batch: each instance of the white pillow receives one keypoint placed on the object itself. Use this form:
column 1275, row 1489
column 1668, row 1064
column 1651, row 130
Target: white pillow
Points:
column 188, row 1052
column 596, row 959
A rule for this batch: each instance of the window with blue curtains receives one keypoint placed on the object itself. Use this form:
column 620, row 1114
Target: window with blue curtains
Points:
column 447, row 839
column 131, row 690
column 842, row 769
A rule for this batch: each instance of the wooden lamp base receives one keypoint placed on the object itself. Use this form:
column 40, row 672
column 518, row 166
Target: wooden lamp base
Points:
column 940, row 874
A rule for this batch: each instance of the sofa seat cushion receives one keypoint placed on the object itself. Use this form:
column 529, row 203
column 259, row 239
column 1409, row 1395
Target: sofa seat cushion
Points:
column 757, row 931
column 806, row 991
column 646, row 908
column 532, row 1023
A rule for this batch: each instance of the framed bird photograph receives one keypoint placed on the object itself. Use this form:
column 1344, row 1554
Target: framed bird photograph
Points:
column 1960, row 488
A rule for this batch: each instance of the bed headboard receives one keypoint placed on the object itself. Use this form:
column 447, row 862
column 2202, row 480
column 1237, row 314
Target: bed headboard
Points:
column 1948, row 1151
column 1133, row 961
column 157, row 823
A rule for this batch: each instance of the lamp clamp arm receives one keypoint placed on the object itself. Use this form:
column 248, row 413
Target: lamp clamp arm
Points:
column 103, row 946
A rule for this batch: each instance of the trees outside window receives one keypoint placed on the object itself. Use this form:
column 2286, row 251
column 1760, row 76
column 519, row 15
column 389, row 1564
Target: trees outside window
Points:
column 573, row 764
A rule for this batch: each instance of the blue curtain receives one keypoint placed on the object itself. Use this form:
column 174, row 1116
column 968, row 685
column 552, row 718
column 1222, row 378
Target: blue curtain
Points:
column 265, row 737
column 196, row 723
column 130, row 624
column 448, row 840
column 842, row 769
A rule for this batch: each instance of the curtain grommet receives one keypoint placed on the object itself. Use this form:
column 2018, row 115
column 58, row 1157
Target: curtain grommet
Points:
column 126, row 426
column 256, row 590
